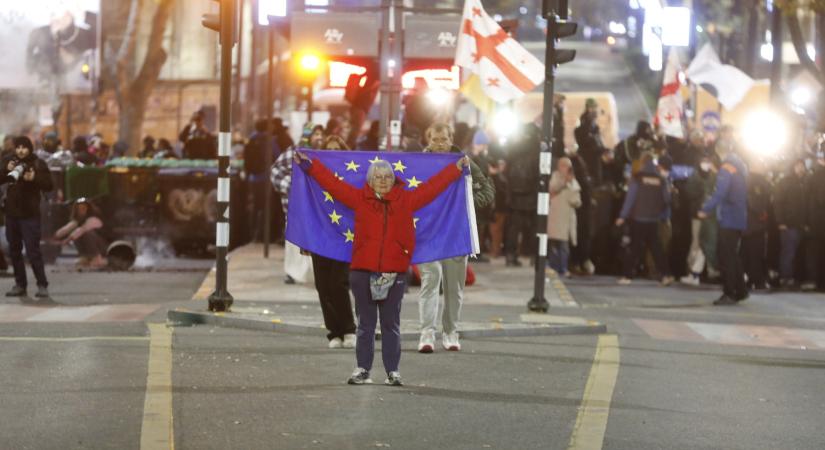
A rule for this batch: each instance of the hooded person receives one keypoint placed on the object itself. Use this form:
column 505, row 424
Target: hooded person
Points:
column 646, row 205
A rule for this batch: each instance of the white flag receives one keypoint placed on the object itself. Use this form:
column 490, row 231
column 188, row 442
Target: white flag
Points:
column 725, row 82
column 671, row 107
column 506, row 69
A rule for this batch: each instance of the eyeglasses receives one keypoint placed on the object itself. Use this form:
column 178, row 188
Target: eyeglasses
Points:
column 386, row 177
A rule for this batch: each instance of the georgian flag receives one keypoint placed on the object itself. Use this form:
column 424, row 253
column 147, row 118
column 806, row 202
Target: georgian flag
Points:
column 505, row 69
column 670, row 108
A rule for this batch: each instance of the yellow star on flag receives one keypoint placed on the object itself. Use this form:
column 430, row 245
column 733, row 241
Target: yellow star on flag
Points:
column 335, row 217
column 399, row 166
column 349, row 237
column 328, row 197
column 413, row 182
column 415, row 222
column 375, row 160
column 352, row 166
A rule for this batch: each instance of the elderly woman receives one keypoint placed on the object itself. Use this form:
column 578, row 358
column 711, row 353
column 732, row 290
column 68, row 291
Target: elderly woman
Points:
column 565, row 197
column 382, row 249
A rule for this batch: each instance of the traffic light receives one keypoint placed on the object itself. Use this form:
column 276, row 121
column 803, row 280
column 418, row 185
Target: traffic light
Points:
column 308, row 66
column 361, row 90
column 224, row 22
column 86, row 70
column 557, row 29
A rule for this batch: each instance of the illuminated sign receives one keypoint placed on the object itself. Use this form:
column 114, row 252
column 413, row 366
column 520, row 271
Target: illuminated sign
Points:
column 339, row 73
column 435, row 78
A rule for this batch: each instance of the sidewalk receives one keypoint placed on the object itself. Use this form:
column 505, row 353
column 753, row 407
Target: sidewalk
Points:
column 494, row 306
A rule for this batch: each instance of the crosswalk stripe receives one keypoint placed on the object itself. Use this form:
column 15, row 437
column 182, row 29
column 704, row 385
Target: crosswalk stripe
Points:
column 13, row 313
column 734, row 334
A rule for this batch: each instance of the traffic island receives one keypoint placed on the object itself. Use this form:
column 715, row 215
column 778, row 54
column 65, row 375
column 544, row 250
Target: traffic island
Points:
column 260, row 318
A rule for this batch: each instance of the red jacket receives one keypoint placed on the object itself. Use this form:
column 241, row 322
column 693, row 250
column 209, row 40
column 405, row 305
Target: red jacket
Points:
column 384, row 232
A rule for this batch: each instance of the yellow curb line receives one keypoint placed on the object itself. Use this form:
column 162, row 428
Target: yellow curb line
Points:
column 591, row 422
column 157, row 430
column 73, row 339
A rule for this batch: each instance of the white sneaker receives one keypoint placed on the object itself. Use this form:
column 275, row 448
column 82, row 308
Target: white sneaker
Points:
column 360, row 376
column 336, row 343
column 690, row 280
column 624, row 281
column 450, row 341
column 349, row 340
column 427, row 342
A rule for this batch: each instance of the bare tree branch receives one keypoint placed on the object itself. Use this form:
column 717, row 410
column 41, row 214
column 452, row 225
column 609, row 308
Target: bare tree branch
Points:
column 126, row 53
column 155, row 54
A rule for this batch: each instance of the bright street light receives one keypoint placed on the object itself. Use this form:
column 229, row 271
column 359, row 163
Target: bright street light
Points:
column 438, row 97
column 801, row 96
column 310, row 62
column 764, row 132
column 505, row 123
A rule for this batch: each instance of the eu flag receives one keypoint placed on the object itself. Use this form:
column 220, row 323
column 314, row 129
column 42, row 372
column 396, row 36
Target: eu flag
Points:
column 319, row 223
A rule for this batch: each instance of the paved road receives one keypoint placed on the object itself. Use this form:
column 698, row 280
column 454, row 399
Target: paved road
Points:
column 744, row 377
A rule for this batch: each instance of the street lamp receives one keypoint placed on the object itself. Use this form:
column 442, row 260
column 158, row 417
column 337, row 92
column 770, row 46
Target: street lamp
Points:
column 764, row 132
column 309, row 65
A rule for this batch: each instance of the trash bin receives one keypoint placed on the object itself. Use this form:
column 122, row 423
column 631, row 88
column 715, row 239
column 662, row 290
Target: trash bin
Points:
column 188, row 208
column 121, row 255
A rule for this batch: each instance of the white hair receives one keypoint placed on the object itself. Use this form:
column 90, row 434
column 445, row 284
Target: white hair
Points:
column 381, row 164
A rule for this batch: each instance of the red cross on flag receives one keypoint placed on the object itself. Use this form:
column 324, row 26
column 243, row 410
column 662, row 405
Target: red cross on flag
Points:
column 671, row 105
column 505, row 69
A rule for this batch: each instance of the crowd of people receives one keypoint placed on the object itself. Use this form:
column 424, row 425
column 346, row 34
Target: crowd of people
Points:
column 701, row 210
column 697, row 210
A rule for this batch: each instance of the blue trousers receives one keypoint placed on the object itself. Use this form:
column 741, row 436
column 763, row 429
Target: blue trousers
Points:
column 558, row 255
column 368, row 311
column 18, row 233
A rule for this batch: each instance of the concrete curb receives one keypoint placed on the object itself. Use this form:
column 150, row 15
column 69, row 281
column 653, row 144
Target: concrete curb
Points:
column 185, row 317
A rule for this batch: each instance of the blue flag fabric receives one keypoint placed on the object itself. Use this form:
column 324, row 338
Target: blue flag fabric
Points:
column 321, row 224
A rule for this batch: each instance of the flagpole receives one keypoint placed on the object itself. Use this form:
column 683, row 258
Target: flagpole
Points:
column 538, row 302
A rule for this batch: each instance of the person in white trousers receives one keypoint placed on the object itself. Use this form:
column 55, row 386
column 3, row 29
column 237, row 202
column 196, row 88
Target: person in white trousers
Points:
column 451, row 273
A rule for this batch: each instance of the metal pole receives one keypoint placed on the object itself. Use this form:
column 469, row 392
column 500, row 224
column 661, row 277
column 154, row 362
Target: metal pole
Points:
column 384, row 68
column 236, row 97
column 309, row 101
column 269, row 138
column 221, row 300
column 538, row 302
column 776, row 64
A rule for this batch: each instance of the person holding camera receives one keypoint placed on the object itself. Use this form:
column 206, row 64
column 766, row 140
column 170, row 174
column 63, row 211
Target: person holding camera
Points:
column 27, row 176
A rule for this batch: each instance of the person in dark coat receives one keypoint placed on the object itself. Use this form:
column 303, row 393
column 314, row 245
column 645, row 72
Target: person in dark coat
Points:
column 755, row 238
column 149, row 150
column 816, row 222
column 631, row 149
column 522, row 193
column 791, row 214
column 198, row 141
column 646, row 205
column 80, row 151
column 332, row 284
column 27, row 177
column 589, row 136
column 257, row 173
